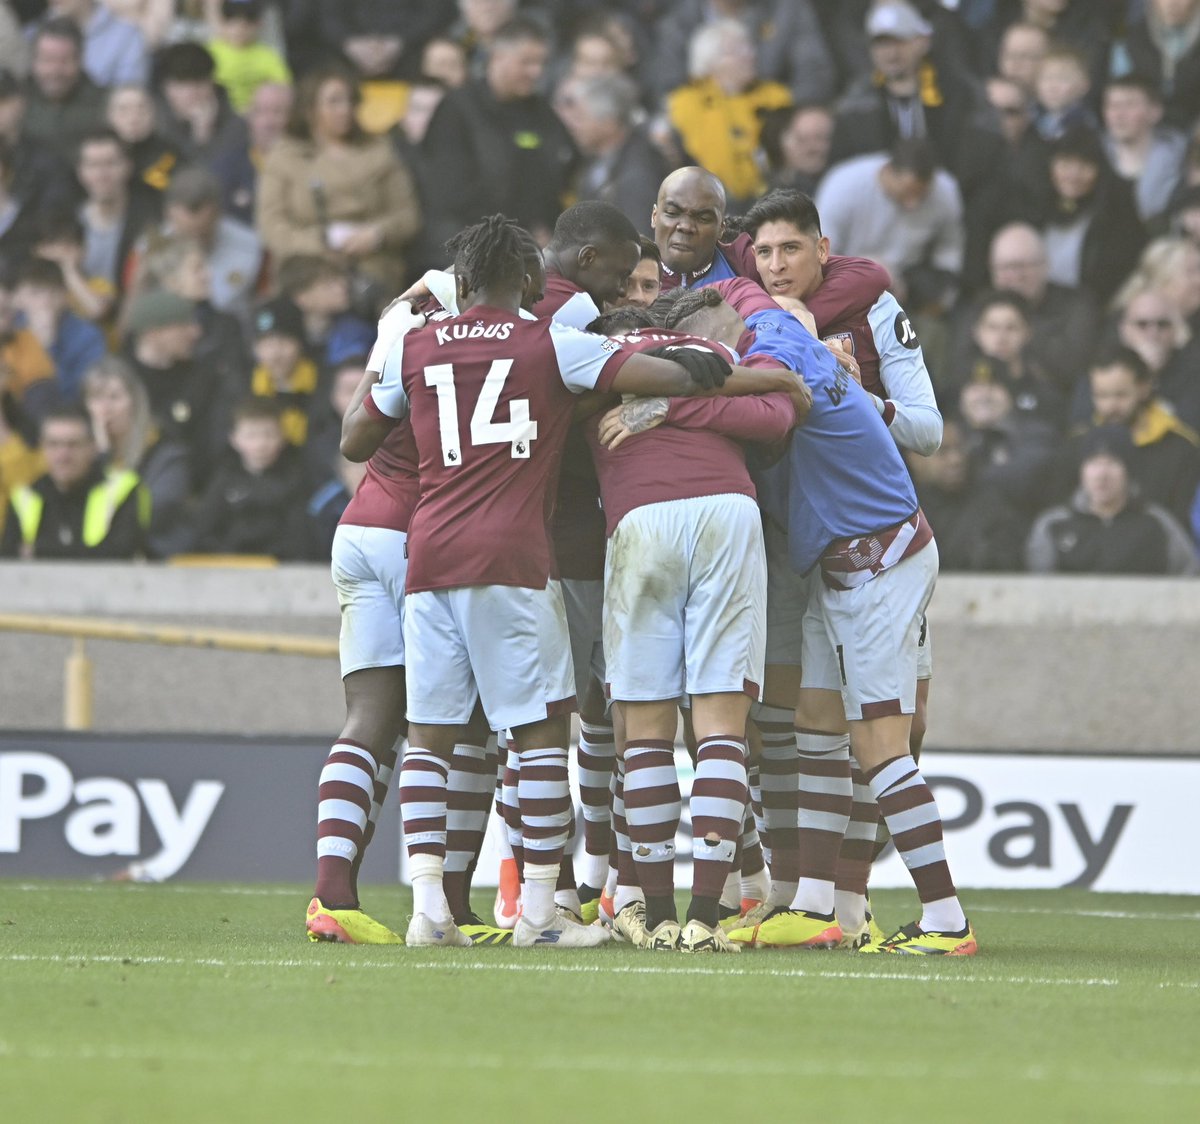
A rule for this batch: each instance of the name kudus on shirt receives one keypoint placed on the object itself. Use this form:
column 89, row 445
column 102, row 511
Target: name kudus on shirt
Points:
column 476, row 331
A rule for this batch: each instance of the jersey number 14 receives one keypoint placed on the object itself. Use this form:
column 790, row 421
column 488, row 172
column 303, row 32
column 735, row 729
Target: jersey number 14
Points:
column 520, row 431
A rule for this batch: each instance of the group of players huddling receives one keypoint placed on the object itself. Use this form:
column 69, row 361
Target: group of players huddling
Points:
column 573, row 493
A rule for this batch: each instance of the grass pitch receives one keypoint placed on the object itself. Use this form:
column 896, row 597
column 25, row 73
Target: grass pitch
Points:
column 206, row 1003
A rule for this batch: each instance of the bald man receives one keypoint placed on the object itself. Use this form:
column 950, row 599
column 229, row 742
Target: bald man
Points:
column 688, row 220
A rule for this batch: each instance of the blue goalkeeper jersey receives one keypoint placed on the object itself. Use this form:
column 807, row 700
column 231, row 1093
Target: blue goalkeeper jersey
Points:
column 842, row 475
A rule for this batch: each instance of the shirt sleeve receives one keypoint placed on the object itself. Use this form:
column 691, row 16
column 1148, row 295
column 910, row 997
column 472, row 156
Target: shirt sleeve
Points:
column 746, row 297
column 849, row 285
column 388, row 397
column 764, row 418
column 910, row 409
column 586, row 361
column 393, row 325
column 577, row 311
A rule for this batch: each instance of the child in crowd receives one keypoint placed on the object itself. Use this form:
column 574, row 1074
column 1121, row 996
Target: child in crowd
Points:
column 58, row 237
column 243, row 62
column 72, row 343
column 255, row 502
column 320, row 289
column 1062, row 87
column 282, row 370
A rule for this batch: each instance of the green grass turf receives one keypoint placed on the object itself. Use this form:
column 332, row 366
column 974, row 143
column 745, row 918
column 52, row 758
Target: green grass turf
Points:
column 206, row 1003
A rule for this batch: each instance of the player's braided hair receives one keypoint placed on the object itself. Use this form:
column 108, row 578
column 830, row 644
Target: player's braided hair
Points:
column 490, row 254
column 622, row 320
column 663, row 304
column 689, row 303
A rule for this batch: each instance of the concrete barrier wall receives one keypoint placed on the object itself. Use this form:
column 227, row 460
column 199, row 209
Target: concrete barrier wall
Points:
column 1089, row 664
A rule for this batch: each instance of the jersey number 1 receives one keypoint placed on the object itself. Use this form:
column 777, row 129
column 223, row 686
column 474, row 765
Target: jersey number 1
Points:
column 520, row 431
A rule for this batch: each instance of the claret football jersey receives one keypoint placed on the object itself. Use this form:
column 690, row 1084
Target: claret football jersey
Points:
column 697, row 452
column 388, row 493
column 489, row 396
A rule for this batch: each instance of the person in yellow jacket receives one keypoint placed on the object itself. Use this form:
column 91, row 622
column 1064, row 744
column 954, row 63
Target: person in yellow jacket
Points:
column 77, row 509
column 718, row 114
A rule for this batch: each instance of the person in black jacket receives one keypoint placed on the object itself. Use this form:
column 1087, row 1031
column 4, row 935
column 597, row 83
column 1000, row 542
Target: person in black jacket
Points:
column 41, row 176
column 1107, row 528
column 1164, row 45
column 187, row 399
column 256, row 501
column 1091, row 227
column 977, row 529
column 497, row 145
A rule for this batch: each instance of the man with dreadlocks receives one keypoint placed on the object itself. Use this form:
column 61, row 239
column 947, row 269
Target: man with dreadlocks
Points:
column 845, row 498
column 490, row 398
column 588, row 262
column 370, row 562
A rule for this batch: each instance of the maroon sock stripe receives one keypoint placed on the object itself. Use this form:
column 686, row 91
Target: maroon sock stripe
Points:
column 345, row 793
column 826, row 798
column 468, row 801
column 718, row 805
column 423, row 780
column 779, row 777
column 544, row 797
column 858, row 849
column 626, row 870
column 653, row 807
column 597, row 757
column 910, row 811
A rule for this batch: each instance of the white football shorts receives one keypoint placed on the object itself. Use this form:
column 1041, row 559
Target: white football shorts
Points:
column 685, row 600
column 368, row 567
column 875, row 630
column 506, row 646
column 925, row 650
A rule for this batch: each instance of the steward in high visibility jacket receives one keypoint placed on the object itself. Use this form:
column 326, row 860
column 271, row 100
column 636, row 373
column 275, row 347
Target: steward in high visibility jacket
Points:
column 104, row 515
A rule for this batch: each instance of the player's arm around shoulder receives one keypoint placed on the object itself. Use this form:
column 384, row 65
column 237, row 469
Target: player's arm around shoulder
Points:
column 379, row 400
column 759, row 418
column 910, row 409
column 848, row 286
column 364, row 427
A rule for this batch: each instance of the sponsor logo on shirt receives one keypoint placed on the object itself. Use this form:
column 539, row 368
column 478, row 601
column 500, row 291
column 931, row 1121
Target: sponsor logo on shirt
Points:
column 906, row 334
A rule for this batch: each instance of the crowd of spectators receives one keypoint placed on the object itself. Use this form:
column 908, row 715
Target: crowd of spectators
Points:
column 204, row 204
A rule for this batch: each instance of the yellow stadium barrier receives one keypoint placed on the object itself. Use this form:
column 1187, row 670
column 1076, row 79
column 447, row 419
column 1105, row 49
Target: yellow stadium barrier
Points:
column 77, row 687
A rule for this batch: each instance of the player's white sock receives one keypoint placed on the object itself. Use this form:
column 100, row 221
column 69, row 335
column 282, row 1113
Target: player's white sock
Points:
column 569, row 899
column 592, row 870
column 851, row 908
column 781, row 893
column 944, row 916
column 537, row 895
column 731, row 893
column 428, row 896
